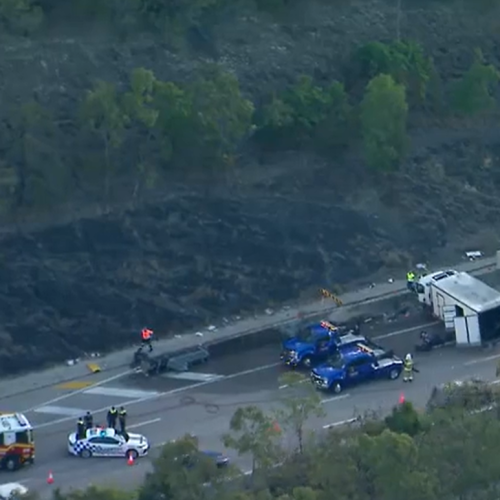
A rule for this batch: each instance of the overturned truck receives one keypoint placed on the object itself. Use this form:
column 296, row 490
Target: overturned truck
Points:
column 178, row 361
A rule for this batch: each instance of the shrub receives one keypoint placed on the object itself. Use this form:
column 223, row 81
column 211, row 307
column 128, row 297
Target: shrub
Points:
column 383, row 117
column 472, row 94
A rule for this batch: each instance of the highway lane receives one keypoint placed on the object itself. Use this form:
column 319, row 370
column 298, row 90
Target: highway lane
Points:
column 175, row 407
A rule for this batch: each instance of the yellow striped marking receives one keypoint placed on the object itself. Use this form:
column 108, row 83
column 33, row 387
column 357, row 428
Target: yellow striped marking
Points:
column 94, row 367
column 74, row 385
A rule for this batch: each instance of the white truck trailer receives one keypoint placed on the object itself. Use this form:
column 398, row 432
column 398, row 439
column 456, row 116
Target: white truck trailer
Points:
column 467, row 306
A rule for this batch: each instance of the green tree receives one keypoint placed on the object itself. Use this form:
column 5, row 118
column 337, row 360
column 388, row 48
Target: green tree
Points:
column 472, row 94
column 139, row 105
column 306, row 112
column 404, row 419
column 334, row 467
column 301, row 493
column 391, row 455
column 41, row 178
column 461, row 448
column 405, row 61
column 20, row 16
column 383, row 121
column 102, row 113
column 301, row 402
column 179, row 473
column 255, row 433
column 95, row 493
column 223, row 117
column 174, row 125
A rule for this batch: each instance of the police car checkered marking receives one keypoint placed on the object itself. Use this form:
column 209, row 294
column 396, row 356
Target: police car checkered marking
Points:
column 79, row 446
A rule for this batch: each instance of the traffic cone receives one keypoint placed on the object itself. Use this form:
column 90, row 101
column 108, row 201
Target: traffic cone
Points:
column 402, row 398
column 130, row 460
column 50, row 478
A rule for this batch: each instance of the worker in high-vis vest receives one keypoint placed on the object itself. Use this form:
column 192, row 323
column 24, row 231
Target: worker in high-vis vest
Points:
column 147, row 337
column 408, row 368
column 410, row 280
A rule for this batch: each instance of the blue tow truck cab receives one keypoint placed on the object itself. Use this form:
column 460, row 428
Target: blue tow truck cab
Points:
column 316, row 342
column 356, row 364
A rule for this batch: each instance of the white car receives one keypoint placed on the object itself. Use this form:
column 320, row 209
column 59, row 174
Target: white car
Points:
column 12, row 491
column 108, row 443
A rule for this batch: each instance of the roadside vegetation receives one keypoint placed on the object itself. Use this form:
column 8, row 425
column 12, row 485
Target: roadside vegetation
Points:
column 445, row 453
column 128, row 139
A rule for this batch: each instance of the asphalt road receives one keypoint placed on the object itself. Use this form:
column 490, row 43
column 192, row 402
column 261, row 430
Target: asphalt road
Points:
column 166, row 408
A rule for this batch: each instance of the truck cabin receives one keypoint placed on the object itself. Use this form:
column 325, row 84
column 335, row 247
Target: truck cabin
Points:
column 317, row 332
column 16, row 441
column 423, row 285
column 470, row 307
column 366, row 350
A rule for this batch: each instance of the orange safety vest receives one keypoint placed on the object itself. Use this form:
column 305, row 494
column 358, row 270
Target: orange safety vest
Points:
column 146, row 334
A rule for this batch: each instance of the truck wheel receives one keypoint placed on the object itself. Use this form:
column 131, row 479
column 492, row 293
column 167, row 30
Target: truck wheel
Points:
column 85, row 453
column 336, row 387
column 132, row 454
column 394, row 374
column 11, row 463
column 306, row 362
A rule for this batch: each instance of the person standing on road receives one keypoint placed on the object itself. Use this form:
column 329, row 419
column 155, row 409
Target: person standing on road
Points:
column 111, row 417
column 80, row 429
column 88, row 419
column 408, row 368
column 122, row 419
column 147, row 337
column 410, row 280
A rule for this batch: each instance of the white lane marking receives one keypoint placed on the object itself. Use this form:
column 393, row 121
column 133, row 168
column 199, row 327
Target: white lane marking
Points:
column 196, row 377
column 60, row 410
column 142, row 424
column 335, row 398
column 406, row 330
column 340, row 422
column 481, row 360
column 120, row 393
column 172, row 392
column 194, row 386
column 299, row 382
column 80, row 391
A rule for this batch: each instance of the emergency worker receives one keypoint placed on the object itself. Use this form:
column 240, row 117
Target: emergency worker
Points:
column 122, row 419
column 111, row 417
column 410, row 280
column 80, row 429
column 147, row 337
column 88, row 420
column 408, row 368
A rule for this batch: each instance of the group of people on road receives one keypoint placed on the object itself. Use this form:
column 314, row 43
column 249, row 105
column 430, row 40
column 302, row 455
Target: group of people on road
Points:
column 113, row 418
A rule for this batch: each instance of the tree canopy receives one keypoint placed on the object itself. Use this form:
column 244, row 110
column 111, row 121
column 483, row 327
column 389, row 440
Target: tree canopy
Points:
column 126, row 138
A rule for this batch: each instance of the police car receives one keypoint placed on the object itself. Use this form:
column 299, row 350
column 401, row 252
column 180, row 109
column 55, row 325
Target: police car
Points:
column 100, row 442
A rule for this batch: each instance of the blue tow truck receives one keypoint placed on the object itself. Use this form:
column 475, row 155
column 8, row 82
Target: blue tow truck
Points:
column 355, row 364
column 316, row 342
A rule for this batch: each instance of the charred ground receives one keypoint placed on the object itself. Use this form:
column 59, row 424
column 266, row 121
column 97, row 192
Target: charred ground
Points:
column 82, row 275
